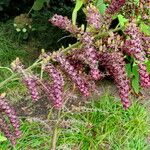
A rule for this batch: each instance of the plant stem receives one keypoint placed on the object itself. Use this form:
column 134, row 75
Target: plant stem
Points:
column 3, row 83
column 55, row 131
column 6, row 69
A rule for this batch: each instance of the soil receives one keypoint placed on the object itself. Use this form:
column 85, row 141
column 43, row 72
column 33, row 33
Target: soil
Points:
column 40, row 109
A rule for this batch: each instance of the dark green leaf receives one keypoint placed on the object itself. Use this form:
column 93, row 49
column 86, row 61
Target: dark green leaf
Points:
column 38, row 4
column 128, row 69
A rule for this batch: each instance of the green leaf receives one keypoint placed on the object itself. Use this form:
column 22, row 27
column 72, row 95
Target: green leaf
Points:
column 38, row 4
column 148, row 66
column 101, row 6
column 135, row 79
column 1, row 8
column 78, row 5
column 102, row 9
column 145, row 28
column 2, row 138
column 122, row 20
column 136, row 2
column 128, row 69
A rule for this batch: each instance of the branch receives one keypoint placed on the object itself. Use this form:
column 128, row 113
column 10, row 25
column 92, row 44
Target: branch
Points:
column 64, row 51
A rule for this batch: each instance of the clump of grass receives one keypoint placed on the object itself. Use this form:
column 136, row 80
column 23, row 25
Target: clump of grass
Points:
column 100, row 125
column 103, row 124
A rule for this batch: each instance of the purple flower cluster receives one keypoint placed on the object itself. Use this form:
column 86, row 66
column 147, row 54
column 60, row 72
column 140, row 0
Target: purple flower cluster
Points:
column 115, row 65
column 6, row 110
column 57, row 86
column 93, row 17
column 64, row 23
column 115, row 6
column 73, row 74
column 133, row 46
column 31, row 83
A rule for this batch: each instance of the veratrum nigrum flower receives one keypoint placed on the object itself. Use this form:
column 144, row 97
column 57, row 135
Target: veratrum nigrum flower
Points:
column 115, row 65
column 8, row 111
column 93, row 17
column 115, row 6
column 133, row 46
column 57, row 85
column 64, row 23
column 73, row 74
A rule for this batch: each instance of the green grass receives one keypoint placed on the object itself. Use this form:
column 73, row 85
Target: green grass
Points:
column 10, row 48
column 105, row 125
column 100, row 125
column 34, row 137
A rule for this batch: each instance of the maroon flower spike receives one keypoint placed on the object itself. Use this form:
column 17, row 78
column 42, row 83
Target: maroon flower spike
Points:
column 73, row 74
column 64, row 23
column 133, row 46
column 91, row 56
column 115, row 65
column 144, row 76
column 4, row 127
column 57, row 87
column 11, row 114
column 31, row 83
column 115, row 6
column 93, row 17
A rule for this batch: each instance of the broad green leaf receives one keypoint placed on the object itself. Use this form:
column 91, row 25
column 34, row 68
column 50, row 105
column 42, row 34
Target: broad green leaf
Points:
column 122, row 20
column 2, row 138
column 135, row 79
column 145, row 28
column 78, row 5
column 38, row 4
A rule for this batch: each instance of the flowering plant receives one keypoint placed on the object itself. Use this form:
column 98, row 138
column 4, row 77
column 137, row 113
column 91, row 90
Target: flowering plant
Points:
column 100, row 51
